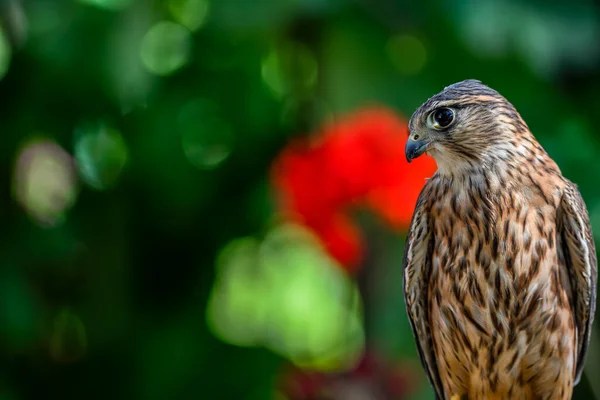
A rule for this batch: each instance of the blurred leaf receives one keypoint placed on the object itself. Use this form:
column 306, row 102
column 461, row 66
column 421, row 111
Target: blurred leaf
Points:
column 5, row 53
column 290, row 296
column 190, row 13
column 290, row 68
column 165, row 48
column 68, row 340
column 44, row 182
column 101, row 154
column 113, row 5
column 206, row 137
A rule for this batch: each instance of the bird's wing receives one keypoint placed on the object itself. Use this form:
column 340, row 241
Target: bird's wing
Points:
column 580, row 255
column 417, row 262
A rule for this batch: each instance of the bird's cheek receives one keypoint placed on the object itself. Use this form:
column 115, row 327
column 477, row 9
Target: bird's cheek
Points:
column 434, row 147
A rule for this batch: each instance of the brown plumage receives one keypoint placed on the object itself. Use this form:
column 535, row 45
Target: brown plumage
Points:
column 500, row 264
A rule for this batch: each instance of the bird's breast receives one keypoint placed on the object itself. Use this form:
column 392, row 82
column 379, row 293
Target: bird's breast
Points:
column 498, row 292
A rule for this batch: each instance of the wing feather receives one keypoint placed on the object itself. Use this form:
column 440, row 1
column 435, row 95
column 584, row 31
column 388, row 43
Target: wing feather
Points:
column 416, row 268
column 580, row 255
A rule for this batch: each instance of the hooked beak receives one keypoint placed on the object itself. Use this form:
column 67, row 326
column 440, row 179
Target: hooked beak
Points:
column 415, row 148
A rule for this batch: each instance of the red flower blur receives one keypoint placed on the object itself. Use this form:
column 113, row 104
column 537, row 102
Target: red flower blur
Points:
column 374, row 378
column 357, row 161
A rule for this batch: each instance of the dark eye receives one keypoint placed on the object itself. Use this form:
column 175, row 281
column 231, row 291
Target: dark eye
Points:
column 442, row 118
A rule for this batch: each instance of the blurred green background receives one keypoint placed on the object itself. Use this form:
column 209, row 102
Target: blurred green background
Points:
column 141, row 251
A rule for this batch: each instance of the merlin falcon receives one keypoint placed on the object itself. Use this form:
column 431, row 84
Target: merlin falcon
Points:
column 500, row 265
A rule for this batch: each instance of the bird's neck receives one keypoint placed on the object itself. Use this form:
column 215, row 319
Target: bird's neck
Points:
column 478, row 177
column 502, row 168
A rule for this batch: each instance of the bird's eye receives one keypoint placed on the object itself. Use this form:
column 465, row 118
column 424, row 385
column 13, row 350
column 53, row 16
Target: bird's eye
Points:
column 442, row 118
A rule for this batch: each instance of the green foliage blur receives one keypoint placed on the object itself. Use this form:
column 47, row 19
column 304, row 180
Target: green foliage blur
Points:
column 136, row 138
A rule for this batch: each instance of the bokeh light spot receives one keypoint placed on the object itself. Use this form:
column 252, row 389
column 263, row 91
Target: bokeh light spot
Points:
column 68, row 341
column 16, row 22
column 314, row 312
column 408, row 54
column 166, row 47
column 129, row 81
column 45, row 181
column 5, row 53
column 112, row 5
column 287, row 294
column 290, row 68
column 206, row 137
column 101, row 154
column 189, row 13
column 237, row 308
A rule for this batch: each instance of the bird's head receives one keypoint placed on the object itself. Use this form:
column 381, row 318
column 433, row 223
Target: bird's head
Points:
column 465, row 124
